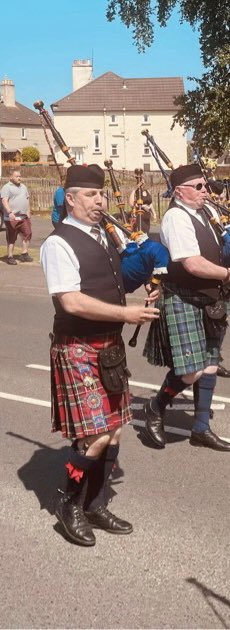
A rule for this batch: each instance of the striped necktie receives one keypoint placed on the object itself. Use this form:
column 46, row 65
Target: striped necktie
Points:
column 95, row 230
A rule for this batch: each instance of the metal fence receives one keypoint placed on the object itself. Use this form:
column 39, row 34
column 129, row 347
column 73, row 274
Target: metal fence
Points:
column 42, row 191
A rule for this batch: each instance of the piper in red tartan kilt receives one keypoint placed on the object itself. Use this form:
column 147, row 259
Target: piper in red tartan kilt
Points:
column 89, row 377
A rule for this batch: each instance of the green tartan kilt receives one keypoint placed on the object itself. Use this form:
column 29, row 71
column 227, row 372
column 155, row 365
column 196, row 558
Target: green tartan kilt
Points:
column 191, row 349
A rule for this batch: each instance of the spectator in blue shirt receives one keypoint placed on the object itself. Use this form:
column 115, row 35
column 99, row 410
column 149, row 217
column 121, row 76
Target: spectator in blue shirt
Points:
column 58, row 206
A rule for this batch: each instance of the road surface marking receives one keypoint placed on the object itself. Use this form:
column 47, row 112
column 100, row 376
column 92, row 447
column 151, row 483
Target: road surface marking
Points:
column 184, row 393
column 25, row 399
column 141, row 423
column 186, row 406
column 155, row 388
column 35, row 366
column 46, row 403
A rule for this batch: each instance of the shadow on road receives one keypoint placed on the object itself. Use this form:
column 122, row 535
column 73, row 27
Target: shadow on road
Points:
column 208, row 595
column 45, row 472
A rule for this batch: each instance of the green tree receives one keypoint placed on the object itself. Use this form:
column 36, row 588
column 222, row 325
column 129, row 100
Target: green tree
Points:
column 205, row 109
column 30, row 154
column 211, row 17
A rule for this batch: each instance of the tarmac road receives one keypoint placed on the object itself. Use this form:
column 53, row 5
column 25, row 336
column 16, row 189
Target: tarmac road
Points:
column 173, row 571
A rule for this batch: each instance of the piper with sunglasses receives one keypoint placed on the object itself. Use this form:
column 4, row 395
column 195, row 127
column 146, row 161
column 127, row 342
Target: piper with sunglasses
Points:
column 198, row 186
column 193, row 308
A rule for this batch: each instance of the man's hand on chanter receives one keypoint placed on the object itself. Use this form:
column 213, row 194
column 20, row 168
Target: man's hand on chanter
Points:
column 140, row 314
column 153, row 293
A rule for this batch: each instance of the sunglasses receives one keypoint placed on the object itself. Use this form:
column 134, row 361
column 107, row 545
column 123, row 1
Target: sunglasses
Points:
column 196, row 186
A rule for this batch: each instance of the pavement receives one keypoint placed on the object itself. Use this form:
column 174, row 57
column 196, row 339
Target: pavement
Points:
column 173, row 570
column 25, row 277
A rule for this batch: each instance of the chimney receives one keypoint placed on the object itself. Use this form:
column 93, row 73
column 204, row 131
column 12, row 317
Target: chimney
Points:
column 7, row 92
column 82, row 73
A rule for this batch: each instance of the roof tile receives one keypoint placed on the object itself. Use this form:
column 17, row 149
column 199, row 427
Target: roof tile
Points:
column 114, row 93
column 19, row 115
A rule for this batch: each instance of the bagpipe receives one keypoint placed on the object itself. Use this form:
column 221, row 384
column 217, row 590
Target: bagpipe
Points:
column 141, row 257
column 221, row 225
column 159, row 155
column 141, row 204
column 157, row 347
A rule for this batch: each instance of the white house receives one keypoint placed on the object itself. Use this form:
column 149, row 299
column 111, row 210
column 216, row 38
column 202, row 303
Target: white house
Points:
column 104, row 118
column 20, row 126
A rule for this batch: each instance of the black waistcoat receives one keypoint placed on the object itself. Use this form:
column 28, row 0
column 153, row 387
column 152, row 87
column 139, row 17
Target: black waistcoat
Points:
column 101, row 278
column 210, row 250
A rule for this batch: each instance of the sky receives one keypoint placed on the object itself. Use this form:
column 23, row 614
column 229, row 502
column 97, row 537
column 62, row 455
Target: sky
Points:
column 39, row 41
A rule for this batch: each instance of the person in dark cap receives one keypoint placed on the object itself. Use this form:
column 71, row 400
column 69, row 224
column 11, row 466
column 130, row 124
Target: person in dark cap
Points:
column 194, row 281
column 89, row 384
column 217, row 189
column 147, row 209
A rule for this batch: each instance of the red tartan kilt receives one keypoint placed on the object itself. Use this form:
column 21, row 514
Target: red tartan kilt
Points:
column 80, row 406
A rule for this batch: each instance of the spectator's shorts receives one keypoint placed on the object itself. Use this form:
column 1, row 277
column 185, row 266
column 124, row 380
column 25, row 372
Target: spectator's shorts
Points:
column 22, row 227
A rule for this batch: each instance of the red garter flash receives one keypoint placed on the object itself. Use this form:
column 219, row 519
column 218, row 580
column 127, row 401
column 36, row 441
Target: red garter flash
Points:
column 74, row 473
column 170, row 391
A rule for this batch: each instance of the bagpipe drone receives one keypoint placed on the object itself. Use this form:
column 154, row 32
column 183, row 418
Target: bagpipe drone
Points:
column 221, row 225
column 141, row 257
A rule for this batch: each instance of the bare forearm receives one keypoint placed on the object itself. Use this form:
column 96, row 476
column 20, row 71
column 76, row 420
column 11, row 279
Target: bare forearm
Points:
column 203, row 268
column 76, row 303
column 6, row 206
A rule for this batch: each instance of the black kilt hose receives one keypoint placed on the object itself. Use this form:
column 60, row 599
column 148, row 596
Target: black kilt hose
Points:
column 185, row 344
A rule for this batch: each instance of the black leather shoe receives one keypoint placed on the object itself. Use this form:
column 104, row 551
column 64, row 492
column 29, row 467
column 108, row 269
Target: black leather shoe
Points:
column 25, row 258
column 210, row 440
column 11, row 261
column 154, row 425
column 74, row 522
column 222, row 371
column 103, row 519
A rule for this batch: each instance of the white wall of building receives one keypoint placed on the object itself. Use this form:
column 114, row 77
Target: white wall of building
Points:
column 19, row 137
column 96, row 137
column 82, row 73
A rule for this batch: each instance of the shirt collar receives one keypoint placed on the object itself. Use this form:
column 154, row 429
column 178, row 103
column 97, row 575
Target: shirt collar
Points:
column 188, row 208
column 70, row 220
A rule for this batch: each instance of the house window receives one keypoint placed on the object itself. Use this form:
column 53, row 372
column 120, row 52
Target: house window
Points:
column 96, row 141
column 146, row 167
column 146, row 149
column 77, row 154
column 113, row 119
column 23, row 136
column 114, row 149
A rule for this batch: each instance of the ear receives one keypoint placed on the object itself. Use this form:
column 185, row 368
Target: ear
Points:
column 70, row 199
column 177, row 192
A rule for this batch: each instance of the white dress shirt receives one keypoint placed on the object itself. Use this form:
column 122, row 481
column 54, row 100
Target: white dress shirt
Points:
column 60, row 264
column 178, row 234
